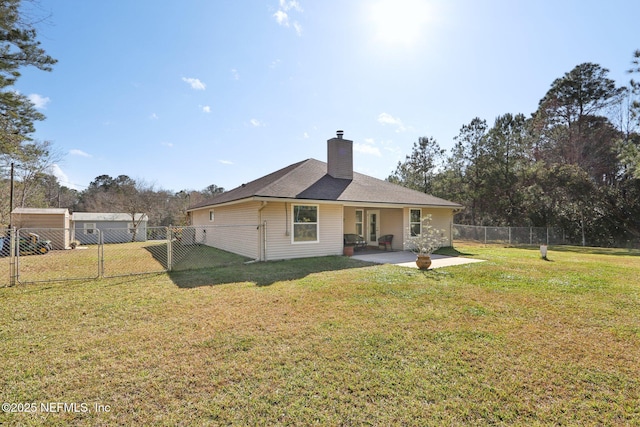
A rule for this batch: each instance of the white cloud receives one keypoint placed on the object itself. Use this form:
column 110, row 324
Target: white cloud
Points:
column 63, row 178
column 367, row 149
column 58, row 172
column 154, row 116
column 256, row 123
column 234, row 74
column 39, row 101
column 80, row 153
column 275, row 63
column 206, row 109
column 282, row 17
column 388, row 119
column 305, row 135
column 167, row 144
column 225, row 162
column 194, row 83
column 290, row 5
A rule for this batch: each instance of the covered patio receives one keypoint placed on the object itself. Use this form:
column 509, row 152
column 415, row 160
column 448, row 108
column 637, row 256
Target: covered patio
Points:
column 373, row 222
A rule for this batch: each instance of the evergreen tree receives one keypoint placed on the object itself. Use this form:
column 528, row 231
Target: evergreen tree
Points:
column 19, row 48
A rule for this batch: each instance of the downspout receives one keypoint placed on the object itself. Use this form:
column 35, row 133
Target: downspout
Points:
column 262, row 237
column 263, row 234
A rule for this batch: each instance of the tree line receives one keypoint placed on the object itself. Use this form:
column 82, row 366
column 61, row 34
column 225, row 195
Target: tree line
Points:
column 574, row 163
column 107, row 194
column 126, row 195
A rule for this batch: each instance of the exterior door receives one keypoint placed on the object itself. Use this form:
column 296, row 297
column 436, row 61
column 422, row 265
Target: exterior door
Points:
column 373, row 227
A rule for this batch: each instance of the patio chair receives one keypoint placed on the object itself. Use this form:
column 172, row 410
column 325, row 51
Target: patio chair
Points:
column 385, row 241
column 354, row 240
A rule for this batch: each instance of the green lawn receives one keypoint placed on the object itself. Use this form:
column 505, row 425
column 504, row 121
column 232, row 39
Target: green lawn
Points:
column 332, row 341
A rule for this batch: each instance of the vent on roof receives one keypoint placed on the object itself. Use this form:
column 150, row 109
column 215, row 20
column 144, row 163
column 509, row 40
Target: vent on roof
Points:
column 340, row 157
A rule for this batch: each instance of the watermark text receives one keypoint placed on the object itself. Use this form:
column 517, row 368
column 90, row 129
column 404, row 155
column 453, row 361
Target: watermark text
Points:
column 54, row 407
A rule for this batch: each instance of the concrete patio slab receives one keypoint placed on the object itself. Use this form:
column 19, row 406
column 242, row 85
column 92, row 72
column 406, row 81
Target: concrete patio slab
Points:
column 408, row 259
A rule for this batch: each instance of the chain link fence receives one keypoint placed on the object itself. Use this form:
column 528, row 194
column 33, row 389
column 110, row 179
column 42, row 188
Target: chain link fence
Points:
column 510, row 235
column 31, row 255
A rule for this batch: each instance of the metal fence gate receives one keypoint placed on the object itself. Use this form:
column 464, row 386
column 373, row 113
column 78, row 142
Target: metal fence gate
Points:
column 39, row 256
column 31, row 255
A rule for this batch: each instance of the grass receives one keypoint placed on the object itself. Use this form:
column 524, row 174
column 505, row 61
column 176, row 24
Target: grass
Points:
column 332, row 341
column 114, row 260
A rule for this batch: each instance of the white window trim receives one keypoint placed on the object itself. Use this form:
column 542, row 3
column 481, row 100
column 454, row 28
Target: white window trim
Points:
column 293, row 224
column 361, row 222
column 412, row 222
column 89, row 228
column 211, row 215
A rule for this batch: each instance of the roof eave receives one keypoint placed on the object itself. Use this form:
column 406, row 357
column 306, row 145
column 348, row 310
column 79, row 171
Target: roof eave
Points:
column 329, row 202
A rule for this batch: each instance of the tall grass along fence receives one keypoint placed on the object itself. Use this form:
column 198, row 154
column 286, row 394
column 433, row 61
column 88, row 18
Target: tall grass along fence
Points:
column 510, row 235
column 30, row 255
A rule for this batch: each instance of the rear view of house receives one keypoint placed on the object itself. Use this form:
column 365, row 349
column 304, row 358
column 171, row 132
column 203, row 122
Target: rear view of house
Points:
column 306, row 208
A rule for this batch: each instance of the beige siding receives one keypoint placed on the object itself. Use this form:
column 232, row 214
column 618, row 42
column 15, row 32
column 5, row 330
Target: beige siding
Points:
column 441, row 219
column 391, row 223
column 40, row 221
column 349, row 220
column 54, row 227
column 279, row 230
column 234, row 228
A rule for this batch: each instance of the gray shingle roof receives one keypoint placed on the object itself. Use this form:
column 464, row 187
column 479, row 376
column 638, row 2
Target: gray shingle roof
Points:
column 308, row 180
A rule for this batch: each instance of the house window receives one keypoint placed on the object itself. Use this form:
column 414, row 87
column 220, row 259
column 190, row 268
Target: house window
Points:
column 415, row 224
column 359, row 222
column 211, row 216
column 90, row 228
column 305, row 223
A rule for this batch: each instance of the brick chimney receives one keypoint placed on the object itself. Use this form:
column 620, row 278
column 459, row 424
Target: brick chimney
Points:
column 340, row 157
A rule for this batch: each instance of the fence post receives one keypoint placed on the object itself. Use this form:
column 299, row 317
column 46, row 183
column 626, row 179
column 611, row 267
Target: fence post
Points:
column 485, row 234
column 531, row 235
column 509, row 235
column 547, row 236
column 100, row 254
column 13, row 275
column 170, row 248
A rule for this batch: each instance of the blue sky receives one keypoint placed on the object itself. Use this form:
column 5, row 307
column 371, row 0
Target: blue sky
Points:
column 184, row 94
